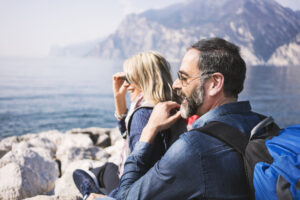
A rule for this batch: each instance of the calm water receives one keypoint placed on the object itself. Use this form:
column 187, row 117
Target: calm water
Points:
column 64, row 93
column 274, row 91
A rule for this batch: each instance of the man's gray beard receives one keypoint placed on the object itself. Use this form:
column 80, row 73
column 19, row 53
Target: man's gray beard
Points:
column 193, row 102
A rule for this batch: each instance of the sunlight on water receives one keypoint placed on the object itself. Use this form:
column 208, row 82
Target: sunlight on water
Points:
column 274, row 91
column 59, row 93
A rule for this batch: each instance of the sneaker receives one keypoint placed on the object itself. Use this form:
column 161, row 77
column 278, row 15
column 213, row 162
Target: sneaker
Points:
column 93, row 172
column 85, row 183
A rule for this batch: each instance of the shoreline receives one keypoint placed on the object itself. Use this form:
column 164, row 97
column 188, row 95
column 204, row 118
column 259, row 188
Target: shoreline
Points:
column 40, row 165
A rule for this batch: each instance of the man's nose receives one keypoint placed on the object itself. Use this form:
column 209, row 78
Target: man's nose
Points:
column 176, row 84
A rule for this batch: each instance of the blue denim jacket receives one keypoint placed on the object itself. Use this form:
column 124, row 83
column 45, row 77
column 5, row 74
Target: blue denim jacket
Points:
column 196, row 166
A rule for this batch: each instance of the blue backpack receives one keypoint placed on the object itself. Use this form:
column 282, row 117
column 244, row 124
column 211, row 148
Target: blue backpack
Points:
column 271, row 158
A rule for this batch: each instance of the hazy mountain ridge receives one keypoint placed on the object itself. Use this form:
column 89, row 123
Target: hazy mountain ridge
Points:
column 287, row 54
column 298, row 13
column 259, row 27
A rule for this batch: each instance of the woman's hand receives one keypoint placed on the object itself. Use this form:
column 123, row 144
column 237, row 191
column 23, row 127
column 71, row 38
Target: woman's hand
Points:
column 119, row 83
column 94, row 196
column 119, row 89
column 163, row 116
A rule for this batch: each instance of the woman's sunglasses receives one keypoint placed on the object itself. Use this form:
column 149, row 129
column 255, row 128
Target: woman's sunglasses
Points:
column 126, row 79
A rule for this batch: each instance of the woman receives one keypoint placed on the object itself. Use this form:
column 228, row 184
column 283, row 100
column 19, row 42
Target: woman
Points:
column 148, row 80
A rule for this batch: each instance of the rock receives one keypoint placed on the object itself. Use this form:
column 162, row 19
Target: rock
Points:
column 67, row 156
column 11, row 181
column 2, row 153
column 115, row 152
column 65, row 187
column 36, row 144
column 67, row 197
column 55, row 136
column 69, row 144
column 103, row 140
column 76, row 140
column 42, row 197
column 46, row 197
column 47, row 140
column 6, row 143
column 115, row 136
column 75, row 147
column 28, row 136
column 30, row 164
column 287, row 54
column 21, row 145
column 43, row 142
column 27, row 172
column 99, row 136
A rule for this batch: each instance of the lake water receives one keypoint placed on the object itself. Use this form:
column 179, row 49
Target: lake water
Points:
column 65, row 93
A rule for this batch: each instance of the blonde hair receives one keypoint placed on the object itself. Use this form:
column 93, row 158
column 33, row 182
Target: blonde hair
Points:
column 150, row 72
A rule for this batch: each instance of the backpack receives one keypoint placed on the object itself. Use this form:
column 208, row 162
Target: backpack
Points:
column 271, row 158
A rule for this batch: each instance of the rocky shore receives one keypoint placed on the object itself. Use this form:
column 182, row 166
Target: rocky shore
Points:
column 40, row 166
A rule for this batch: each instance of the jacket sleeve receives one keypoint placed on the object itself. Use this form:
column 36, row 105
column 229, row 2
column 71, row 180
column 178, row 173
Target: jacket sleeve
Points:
column 122, row 126
column 176, row 176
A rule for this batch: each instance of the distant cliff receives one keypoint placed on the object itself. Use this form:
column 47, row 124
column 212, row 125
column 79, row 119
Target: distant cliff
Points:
column 259, row 27
column 287, row 54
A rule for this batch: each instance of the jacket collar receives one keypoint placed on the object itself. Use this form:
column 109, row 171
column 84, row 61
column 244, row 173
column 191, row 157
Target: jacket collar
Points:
column 225, row 109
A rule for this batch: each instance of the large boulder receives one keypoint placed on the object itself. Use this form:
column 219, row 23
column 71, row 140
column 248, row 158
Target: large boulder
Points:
column 115, row 136
column 11, row 181
column 78, row 147
column 43, row 142
column 48, row 140
column 27, row 172
column 115, row 152
column 7, row 143
column 67, row 156
column 53, row 197
column 75, row 140
column 36, row 142
column 2, row 153
column 53, row 135
column 99, row 136
column 42, row 197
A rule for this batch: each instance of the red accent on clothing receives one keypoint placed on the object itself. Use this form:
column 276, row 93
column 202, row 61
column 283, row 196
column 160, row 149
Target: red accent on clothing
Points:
column 191, row 119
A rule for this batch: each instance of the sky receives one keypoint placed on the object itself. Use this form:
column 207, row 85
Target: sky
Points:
column 32, row 27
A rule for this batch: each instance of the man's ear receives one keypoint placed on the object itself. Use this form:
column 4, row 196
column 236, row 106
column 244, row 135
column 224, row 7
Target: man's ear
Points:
column 216, row 84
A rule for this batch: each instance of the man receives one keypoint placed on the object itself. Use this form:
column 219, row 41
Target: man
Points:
column 197, row 166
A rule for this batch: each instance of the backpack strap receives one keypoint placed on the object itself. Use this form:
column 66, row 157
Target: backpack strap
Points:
column 227, row 134
column 130, row 119
column 271, row 129
column 262, row 124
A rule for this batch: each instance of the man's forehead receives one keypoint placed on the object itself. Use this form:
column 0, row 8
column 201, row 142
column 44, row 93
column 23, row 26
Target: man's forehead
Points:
column 189, row 64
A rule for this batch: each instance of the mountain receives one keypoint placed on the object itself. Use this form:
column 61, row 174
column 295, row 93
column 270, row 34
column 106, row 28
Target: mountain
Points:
column 259, row 27
column 287, row 54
